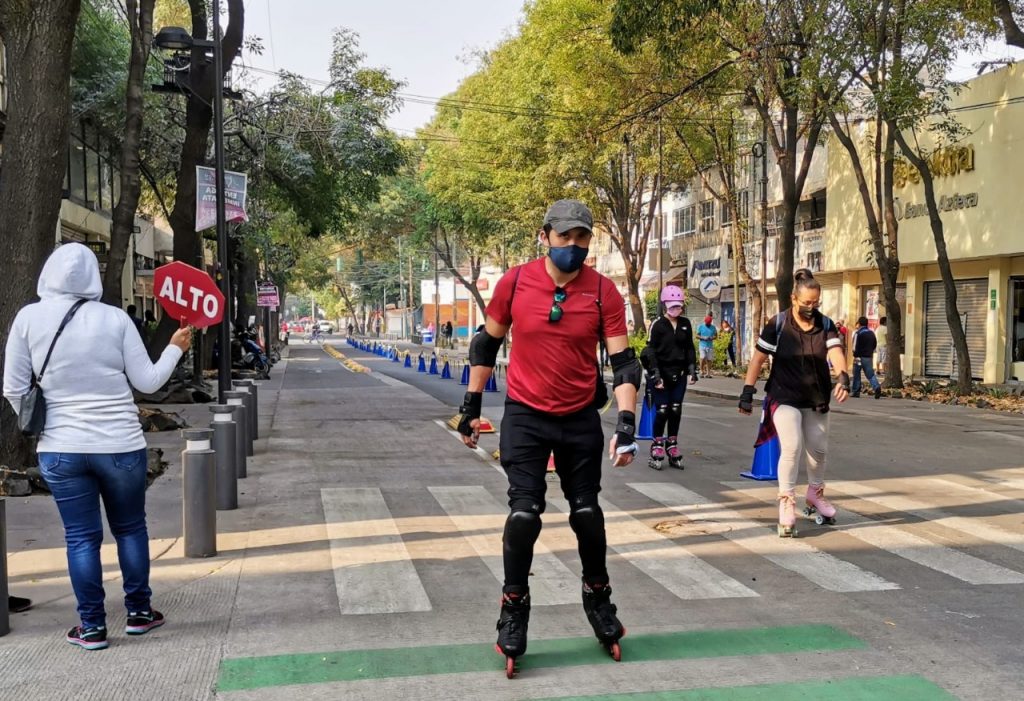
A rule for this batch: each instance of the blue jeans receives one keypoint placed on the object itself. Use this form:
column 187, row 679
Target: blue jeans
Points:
column 865, row 364
column 78, row 482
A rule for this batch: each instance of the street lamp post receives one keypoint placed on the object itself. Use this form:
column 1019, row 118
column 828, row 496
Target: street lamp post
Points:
column 179, row 41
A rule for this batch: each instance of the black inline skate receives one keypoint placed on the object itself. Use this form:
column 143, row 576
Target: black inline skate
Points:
column 601, row 614
column 512, row 624
column 657, row 454
column 675, row 458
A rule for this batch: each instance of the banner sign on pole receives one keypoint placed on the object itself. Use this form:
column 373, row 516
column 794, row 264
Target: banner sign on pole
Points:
column 266, row 294
column 188, row 294
column 235, row 185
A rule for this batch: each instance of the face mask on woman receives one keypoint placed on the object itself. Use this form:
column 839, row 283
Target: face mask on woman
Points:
column 674, row 312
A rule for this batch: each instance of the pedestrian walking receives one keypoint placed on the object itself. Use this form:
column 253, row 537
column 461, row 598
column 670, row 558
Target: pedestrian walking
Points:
column 882, row 338
column 669, row 359
column 844, row 334
column 706, row 334
column 802, row 342
column 730, row 345
column 864, row 345
column 132, row 311
column 560, row 310
column 149, row 325
column 91, row 447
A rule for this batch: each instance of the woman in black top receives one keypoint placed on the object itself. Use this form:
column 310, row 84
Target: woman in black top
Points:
column 668, row 358
column 803, row 343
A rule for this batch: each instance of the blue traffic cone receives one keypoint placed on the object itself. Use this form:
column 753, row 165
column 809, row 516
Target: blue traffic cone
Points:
column 492, row 384
column 423, row 364
column 465, row 375
column 645, row 431
column 446, row 371
column 433, row 364
column 408, row 359
column 394, row 356
column 765, row 465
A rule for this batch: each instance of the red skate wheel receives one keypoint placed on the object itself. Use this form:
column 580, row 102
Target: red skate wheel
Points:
column 616, row 652
column 510, row 667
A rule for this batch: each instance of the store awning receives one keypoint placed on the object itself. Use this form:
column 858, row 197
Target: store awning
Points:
column 650, row 278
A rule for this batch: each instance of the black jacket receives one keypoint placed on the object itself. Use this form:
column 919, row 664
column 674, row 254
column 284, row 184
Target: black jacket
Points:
column 864, row 343
column 670, row 351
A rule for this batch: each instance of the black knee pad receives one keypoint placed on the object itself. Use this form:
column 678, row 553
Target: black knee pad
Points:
column 663, row 409
column 588, row 521
column 522, row 529
column 676, row 410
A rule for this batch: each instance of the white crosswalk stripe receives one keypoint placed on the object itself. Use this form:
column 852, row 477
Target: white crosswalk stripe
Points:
column 671, row 565
column 373, row 572
column 971, row 526
column 481, row 519
column 796, row 556
column 907, row 545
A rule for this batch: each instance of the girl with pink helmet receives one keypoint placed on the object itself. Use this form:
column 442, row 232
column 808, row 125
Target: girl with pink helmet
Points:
column 669, row 358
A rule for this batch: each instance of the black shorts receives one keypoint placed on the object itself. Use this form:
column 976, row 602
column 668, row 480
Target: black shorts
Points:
column 528, row 437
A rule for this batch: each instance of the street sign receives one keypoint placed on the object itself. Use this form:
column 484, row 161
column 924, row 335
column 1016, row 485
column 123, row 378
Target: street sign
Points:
column 266, row 295
column 710, row 287
column 206, row 197
column 188, row 294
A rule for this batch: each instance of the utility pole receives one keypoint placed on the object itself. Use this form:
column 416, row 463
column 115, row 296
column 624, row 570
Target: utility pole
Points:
column 437, row 293
column 660, row 191
column 455, row 297
column 764, row 222
column 401, row 288
column 224, row 335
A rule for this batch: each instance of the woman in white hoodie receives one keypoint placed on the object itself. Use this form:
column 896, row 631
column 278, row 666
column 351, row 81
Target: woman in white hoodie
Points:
column 92, row 448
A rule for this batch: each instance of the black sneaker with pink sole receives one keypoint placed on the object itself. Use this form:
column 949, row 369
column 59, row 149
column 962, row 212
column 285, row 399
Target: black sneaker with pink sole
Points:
column 141, row 622
column 88, row 637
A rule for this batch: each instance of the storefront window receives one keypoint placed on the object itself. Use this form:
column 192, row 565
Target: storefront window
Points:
column 1017, row 330
column 106, row 187
column 76, row 168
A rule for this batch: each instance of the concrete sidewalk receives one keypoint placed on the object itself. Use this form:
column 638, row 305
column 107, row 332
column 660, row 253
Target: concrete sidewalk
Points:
column 272, row 553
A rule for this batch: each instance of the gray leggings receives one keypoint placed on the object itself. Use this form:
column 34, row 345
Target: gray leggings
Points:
column 803, row 437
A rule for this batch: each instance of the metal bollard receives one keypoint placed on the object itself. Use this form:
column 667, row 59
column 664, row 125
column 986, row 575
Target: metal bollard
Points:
column 199, row 493
column 236, row 400
column 251, row 387
column 5, row 615
column 224, row 443
column 250, row 413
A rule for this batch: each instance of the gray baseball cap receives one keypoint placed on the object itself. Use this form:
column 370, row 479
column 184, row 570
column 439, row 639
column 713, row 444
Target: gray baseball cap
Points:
column 569, row 214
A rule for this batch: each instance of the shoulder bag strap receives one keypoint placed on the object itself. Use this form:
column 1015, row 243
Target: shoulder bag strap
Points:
column 60, row 330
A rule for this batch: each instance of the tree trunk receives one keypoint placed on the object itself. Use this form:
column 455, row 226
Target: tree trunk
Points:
column 188, row 243
column 887, row 262
column 38, row 36
column 1011, row 30
column 965, row 378
column 140, row 21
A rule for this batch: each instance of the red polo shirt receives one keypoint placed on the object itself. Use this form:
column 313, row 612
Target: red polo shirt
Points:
column 553, row 366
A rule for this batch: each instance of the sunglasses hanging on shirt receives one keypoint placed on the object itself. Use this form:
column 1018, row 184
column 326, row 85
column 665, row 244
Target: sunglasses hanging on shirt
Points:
column 556, row 310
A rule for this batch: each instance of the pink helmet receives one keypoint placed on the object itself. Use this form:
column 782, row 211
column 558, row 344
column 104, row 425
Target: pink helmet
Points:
column 672, row 293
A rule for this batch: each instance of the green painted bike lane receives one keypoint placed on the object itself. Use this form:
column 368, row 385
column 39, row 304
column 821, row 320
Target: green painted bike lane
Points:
column 360, row 665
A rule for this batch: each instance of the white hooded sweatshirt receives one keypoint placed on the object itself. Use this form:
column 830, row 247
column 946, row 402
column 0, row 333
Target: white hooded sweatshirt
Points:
column 89, row 403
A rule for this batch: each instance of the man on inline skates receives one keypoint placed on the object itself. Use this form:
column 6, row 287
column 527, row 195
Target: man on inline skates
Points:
column 561, row 309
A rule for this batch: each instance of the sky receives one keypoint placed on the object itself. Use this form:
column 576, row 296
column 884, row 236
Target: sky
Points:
column 426, row 43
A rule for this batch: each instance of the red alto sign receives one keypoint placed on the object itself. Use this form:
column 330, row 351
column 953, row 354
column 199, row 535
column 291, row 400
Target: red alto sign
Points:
column 188, row 294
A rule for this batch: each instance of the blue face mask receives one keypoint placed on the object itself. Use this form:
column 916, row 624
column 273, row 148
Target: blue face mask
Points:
column 568, row 259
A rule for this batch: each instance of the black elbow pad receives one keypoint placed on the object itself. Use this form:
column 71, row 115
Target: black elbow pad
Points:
column 483, row 349
column 626, row 368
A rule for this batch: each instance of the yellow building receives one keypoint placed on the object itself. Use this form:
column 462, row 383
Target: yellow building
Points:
column 977, row 184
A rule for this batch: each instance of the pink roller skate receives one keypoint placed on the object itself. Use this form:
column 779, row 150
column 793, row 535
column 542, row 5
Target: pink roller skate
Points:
column 657, row 453
column 818, row 506
column 787, row 514
column 675, row 458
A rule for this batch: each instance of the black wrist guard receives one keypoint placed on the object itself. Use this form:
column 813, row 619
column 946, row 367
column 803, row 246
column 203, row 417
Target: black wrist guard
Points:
column 653, row 377
column 626, row 368
column 747, row 398
column 844, row 381
column 472, row 404
column 483, row 349
column 625, row 432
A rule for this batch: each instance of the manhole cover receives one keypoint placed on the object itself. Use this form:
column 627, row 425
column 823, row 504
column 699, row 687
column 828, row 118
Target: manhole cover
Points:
column 676, row 529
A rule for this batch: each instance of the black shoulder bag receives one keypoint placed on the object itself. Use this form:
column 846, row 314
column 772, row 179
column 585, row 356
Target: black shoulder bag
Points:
column 32, row 417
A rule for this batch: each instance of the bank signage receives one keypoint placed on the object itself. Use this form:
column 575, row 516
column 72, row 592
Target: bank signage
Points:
column 711, row 262
column 946, row 203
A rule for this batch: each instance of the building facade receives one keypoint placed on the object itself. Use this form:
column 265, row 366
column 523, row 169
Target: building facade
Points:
column 976, row 181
